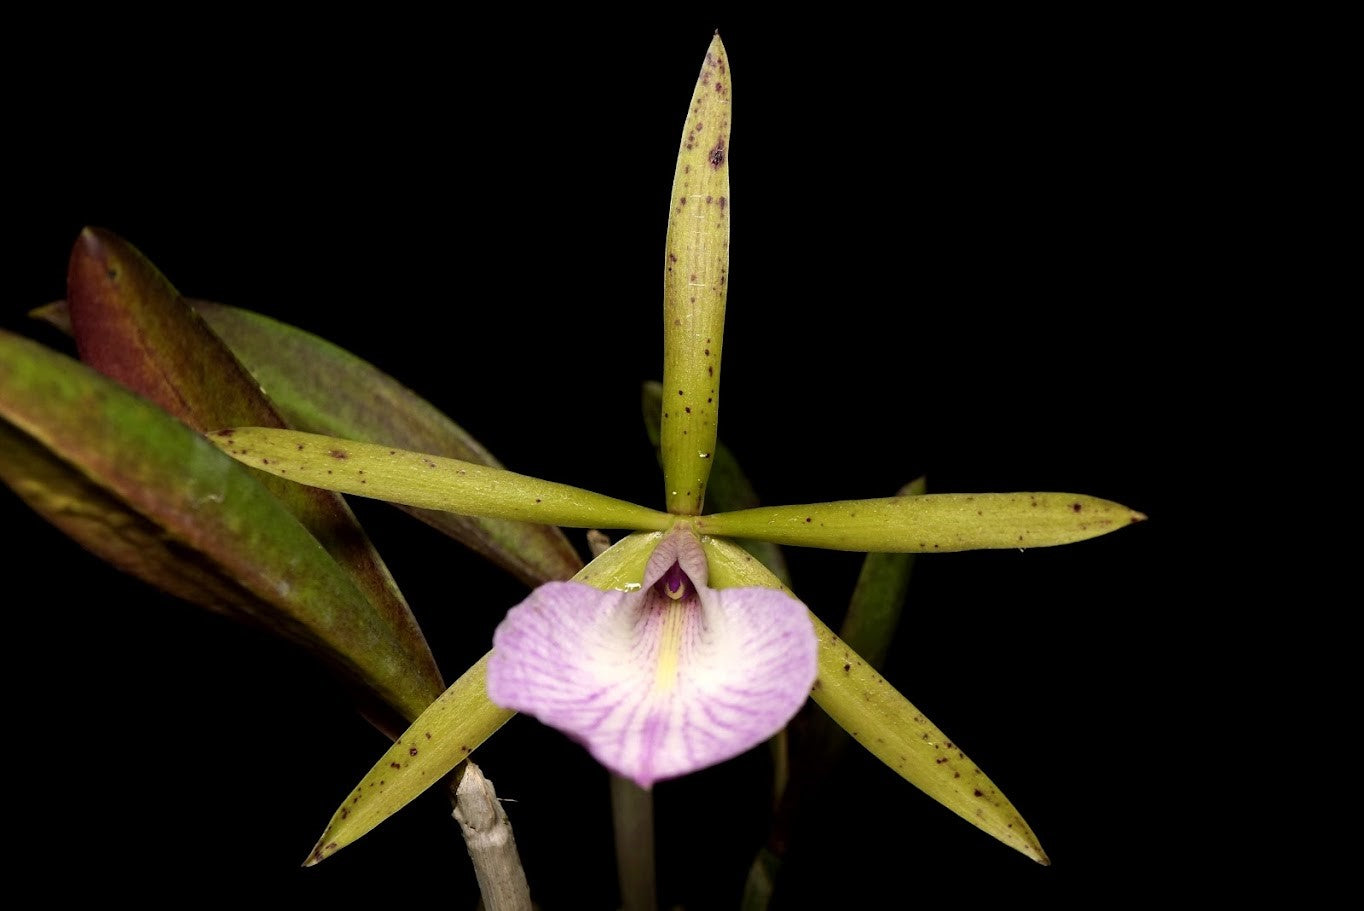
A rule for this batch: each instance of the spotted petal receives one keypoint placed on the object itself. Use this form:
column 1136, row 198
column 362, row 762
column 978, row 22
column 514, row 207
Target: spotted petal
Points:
column 662, row 680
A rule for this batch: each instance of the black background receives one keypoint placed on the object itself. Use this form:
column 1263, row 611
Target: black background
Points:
column 959, row 248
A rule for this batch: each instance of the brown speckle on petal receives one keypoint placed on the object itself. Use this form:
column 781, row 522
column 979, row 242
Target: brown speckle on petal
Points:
column 717, row 154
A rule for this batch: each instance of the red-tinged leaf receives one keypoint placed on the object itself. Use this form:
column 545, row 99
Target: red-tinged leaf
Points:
column 138, row 461
column 132, row 325
column 105, row 526
column 321, row 388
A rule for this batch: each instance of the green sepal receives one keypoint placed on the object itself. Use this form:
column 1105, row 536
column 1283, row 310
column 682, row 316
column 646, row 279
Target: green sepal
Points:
column 429, row 481
column 886, row 723
column 321, row 388
column 879, row 597
column 441, row 738
column 695, row 282
column 933, row 523
column 869, row 628
column 457, row 723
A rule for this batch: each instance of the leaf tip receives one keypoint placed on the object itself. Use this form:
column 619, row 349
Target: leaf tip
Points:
column 94, row 244
column 54, row 314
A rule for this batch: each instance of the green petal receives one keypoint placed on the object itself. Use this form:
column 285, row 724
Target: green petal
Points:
column 933, row 523
column 730, row 489
column 429, row 481
column 883, row 721
column 133, row 326
column 455, row 724
column 695, row 278
column 193, row 501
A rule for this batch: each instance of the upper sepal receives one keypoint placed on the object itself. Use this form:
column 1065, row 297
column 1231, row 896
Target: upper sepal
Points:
column 887, row 724
column 695, row 285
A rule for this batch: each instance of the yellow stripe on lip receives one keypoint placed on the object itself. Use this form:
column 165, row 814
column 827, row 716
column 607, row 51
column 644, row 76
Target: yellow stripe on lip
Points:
column 670, row 644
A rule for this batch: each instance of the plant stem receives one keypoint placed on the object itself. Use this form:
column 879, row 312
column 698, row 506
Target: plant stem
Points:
column 632, row 813
column 492, row 847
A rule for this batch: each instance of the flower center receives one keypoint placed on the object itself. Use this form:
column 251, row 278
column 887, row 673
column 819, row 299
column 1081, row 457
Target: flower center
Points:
column 675, row 583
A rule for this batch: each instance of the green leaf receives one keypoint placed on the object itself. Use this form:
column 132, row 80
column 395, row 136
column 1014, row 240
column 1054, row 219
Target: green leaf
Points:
column 933, row 523
column 456, row 724
column 879, row 597
column 884, row 722
column 730, row 489
column 762, row 880
column 695, row 277
column 321, row 388
column 55, row 314
column 133, row 326
column 106, row 527
column 429, row 481
column 198, row 502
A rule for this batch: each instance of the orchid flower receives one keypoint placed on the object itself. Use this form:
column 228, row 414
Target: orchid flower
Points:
column 662, row 680
column 675, row 649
